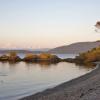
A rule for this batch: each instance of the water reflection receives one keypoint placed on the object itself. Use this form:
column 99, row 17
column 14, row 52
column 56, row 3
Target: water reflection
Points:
column 42, row 64
column 87, row 65
column 12, row 67
column 22, row 78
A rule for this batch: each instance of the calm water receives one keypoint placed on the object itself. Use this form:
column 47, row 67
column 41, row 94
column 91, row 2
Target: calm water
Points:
column 59, row 55
column 22, row 79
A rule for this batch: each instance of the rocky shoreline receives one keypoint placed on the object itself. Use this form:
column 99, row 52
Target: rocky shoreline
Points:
column 86, row 87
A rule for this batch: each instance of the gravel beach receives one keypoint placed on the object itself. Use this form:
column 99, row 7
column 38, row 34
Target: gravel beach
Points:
column 86, row 87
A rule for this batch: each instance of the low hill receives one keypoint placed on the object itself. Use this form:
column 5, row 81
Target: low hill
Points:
column 75, row 48
column 19, row 51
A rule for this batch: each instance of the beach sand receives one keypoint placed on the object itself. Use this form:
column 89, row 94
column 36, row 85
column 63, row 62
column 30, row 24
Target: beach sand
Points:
column 86, row 87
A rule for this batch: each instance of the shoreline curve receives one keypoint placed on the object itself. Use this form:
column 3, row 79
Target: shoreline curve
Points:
column 85, row 87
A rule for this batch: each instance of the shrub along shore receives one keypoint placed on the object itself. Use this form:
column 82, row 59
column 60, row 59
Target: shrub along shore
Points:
column 86, row 58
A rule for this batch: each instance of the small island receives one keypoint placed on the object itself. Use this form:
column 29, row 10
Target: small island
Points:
column 29, row 57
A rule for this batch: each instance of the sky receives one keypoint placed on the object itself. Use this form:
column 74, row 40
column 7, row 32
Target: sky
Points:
column 47, row 23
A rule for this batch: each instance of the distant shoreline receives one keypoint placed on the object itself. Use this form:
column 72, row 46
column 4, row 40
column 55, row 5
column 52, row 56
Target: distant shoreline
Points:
column 86, row 87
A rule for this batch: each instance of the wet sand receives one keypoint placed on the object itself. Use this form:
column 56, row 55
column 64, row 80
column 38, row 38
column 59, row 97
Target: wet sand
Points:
column 86, row 87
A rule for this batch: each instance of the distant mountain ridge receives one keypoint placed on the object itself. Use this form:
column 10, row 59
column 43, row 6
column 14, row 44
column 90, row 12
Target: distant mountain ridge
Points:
column 41, row 49
column 24, row 50
column 19, row 51
column 75, row 48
